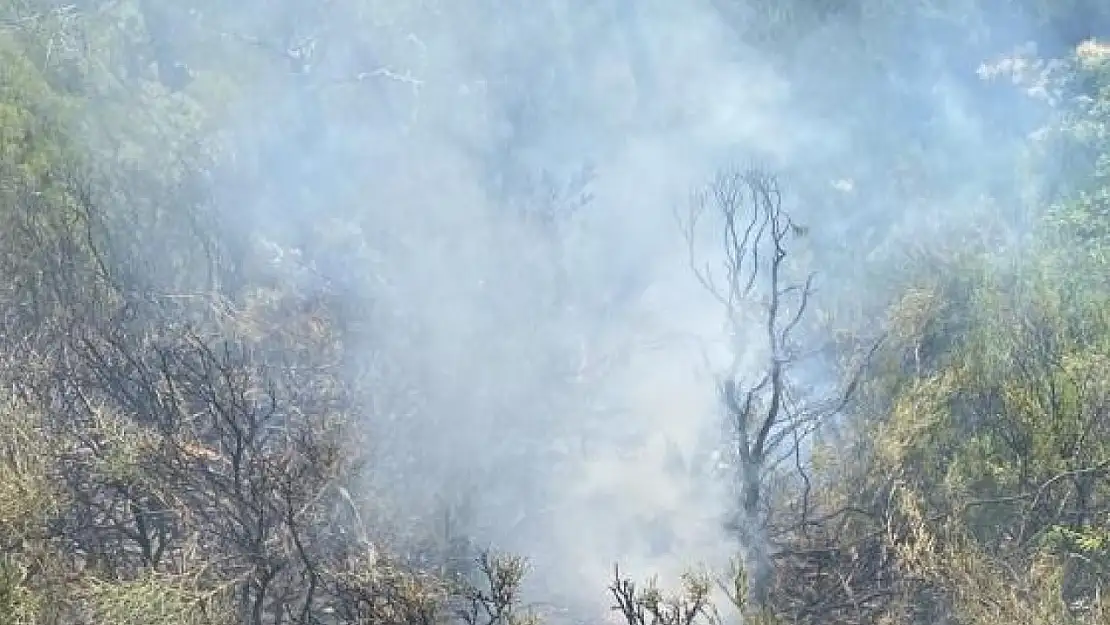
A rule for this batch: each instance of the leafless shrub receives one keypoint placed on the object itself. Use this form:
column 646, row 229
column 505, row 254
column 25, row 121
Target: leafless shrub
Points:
column 650, row 606
column 768, row 410
column 494, row 598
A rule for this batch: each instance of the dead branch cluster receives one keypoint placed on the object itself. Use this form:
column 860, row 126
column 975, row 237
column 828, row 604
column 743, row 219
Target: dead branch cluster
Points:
column 203, row 452
column 770, row 412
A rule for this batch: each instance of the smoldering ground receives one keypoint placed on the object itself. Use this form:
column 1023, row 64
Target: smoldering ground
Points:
column 493, row 185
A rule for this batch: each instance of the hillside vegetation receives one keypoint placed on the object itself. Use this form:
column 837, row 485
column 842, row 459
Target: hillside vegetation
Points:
column 187, row 429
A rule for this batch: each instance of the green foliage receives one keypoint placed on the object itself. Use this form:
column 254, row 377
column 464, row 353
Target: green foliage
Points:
column 985, row 413
column 990, row 402
column 1017, row 401
column 1074, row 148
column 19, row 605
column 154, row 599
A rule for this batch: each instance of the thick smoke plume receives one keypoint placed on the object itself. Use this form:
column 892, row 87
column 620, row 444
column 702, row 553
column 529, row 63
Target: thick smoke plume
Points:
column 492, row 186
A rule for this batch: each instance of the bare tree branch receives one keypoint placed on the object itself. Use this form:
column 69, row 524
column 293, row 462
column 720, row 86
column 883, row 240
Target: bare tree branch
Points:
column 770, row 415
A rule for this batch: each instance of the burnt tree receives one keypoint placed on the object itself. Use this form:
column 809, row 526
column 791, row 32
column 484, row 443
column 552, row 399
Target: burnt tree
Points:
column 764, row 298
